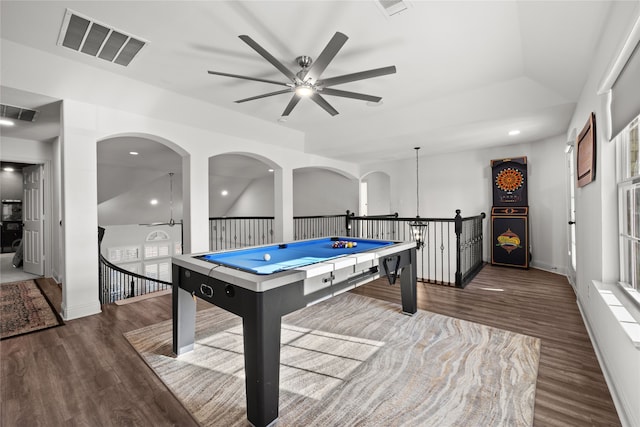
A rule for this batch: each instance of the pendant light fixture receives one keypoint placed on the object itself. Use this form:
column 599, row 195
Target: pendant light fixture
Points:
column 418, row 227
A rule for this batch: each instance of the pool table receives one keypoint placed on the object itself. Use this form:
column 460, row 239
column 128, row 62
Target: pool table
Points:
column 261, row 289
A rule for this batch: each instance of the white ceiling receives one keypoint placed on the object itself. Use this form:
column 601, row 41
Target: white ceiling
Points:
column 467, row 72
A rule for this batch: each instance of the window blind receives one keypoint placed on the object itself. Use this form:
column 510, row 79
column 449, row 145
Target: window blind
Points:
column 625, row 102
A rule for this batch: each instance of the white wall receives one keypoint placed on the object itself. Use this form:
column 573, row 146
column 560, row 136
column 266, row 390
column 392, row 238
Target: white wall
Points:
column 257, row 199
column 25, row 150
column 596, row 229
column 315, row 192
column 114, row 180
column 135, row 202
column 463, row 181
column 323, row 192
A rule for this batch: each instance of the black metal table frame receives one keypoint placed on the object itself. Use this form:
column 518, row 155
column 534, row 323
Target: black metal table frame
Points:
column 261, row 314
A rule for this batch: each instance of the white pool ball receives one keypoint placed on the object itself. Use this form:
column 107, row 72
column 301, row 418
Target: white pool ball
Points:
column 266, row 257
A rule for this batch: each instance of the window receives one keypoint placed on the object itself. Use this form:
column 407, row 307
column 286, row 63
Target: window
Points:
column 157, row 235
column 627, row 147
column 156, row 251
column 124, row 254
column 158, row 271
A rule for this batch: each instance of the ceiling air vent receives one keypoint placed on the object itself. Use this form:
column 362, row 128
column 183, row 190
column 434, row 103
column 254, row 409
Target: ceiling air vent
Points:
column 85, row 35
column 391, row 7
column 18, row 113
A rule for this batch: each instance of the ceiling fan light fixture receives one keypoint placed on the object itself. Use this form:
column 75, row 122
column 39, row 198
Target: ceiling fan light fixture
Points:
column 304, row 90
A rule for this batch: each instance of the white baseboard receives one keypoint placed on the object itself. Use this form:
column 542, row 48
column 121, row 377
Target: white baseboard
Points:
column 75, row 312
column 549, row 268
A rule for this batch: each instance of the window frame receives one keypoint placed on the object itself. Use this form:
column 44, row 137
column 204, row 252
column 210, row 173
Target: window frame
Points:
column 628, row 186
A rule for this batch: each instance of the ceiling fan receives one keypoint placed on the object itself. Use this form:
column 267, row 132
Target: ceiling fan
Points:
column 307, row 82
column 171, row 222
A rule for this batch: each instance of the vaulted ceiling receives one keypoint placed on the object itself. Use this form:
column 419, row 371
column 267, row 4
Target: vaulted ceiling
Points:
column 468, row 72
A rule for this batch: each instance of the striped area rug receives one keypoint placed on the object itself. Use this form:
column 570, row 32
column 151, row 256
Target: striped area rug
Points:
column 354, row 360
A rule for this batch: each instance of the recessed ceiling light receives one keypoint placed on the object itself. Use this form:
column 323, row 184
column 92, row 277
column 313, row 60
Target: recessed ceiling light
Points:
column 5, row 122
column 514, row 132
column 270, row 170
column 133, row 153
column 224, row 192
column 8, row 169
column 154, row 201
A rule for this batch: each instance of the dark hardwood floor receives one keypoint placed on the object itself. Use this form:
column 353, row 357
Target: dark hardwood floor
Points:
column 86, row 374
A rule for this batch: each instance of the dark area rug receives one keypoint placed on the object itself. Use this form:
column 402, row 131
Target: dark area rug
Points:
column 356, row 361
column 24, row 308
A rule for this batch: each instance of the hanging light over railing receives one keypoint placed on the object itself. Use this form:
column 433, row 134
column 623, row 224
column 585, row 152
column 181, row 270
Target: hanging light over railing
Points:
column 418, row 227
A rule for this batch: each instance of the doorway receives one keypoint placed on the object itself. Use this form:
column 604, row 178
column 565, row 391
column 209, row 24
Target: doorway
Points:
column 14, row 207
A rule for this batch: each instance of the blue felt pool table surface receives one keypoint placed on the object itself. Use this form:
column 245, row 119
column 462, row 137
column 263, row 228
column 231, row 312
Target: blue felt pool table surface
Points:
column 290, row 255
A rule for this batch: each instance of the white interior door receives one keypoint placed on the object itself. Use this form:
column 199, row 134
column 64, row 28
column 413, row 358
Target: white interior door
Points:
column 33, row 218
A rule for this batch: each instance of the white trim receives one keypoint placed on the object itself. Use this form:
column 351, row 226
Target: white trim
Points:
column 70, row 313
column 548, row 268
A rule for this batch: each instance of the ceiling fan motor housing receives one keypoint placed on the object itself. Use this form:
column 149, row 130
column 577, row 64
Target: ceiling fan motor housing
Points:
column 304, row 61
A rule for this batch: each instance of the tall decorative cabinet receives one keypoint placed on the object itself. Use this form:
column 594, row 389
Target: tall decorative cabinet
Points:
column 510, row 213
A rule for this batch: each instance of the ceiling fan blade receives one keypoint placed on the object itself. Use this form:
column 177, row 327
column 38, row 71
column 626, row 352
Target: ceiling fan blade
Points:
column 279, row 92
column 357, row 76
column 248, row 78
column 291, row 105
column 320, row 64
column 323, row 103
column 354, row 95
column 266, row 55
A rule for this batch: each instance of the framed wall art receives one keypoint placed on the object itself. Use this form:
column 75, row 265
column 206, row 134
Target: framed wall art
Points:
column 586, row 152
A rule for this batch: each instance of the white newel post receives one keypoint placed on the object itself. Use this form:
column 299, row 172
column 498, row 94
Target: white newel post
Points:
column 283, row 205
column 79, row 191
column 195, row 202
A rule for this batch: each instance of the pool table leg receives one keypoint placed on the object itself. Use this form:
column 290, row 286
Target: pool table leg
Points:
column 408, row 291
column 184, row 320
column 262, row 365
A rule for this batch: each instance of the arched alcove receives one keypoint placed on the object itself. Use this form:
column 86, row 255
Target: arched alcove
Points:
column 140, row 202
